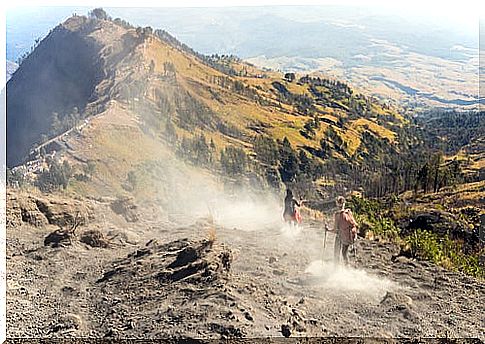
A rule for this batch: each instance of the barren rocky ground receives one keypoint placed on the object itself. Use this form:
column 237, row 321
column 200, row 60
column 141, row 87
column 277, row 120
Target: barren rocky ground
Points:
column 164, row 277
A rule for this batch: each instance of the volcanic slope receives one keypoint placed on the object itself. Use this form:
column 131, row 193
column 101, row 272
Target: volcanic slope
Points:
column 158, row 279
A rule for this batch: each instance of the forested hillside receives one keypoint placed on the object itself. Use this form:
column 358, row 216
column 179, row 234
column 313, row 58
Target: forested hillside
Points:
column 215, row 111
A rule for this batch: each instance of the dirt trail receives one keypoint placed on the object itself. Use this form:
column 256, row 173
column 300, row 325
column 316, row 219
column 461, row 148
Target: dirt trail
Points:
column 272, row 282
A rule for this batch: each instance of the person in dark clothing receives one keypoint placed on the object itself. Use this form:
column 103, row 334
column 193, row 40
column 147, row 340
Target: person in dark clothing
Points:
column 291, row 213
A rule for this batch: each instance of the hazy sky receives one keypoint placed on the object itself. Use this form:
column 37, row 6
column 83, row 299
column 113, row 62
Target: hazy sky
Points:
column 459, row 15
column 25, row 24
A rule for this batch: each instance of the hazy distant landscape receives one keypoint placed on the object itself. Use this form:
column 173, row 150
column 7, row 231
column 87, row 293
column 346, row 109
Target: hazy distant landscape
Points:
column 416, row 61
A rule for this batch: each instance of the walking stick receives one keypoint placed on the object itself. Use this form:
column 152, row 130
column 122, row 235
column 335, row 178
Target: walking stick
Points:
column 324, row 242
column 325, row 236
column 354, row 251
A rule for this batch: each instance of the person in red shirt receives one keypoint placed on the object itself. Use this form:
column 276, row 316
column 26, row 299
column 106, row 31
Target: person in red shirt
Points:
column 345, row 228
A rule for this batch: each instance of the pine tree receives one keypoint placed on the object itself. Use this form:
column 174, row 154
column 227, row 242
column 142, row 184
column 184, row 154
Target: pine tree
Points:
column 266, row 150
column 436, row 164
column 288, row 162
column 233, row 161
column 423, row 177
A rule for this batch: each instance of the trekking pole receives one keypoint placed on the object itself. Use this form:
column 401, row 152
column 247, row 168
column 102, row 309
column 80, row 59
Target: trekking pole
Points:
column 354, row 251
column 325, row 236
column 324, row 242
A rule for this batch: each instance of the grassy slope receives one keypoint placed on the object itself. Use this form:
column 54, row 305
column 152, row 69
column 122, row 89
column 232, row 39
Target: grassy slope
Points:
column 241, row 111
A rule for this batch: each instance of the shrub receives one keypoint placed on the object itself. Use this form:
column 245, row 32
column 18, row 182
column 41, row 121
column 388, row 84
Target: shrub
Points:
column 424, row 244
column 385, row 228
column 99, row 13
column 55, row 176
column 371, row 215
column 445, row 252
column 361, row 205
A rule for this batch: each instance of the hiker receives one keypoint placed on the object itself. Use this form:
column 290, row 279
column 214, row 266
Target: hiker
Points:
column 291, row 213
column 345, row 228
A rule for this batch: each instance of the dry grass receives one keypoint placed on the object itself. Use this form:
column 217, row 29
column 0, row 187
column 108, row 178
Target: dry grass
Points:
column 211, row 234
column 351, row 137
column 315, row 215
column 296, row 89
column 363, row 123
column 453, row 197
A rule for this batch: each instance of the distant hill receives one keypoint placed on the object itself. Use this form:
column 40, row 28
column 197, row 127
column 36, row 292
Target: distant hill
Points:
column 377, row 50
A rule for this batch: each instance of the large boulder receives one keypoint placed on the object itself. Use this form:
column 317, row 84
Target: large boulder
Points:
column 23, row 209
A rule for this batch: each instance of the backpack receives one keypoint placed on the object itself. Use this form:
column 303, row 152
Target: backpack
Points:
column 347, row 226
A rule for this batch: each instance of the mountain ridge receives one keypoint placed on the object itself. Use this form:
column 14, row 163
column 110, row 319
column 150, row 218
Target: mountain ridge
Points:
column 154, row 80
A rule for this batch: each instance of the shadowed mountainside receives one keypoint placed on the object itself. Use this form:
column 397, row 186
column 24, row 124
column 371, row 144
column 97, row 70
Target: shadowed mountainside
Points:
column 61, row 73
